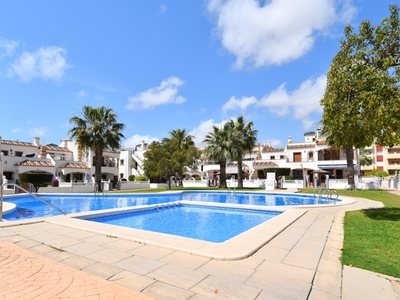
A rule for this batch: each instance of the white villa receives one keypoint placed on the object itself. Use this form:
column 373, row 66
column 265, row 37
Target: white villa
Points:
column 64, row 161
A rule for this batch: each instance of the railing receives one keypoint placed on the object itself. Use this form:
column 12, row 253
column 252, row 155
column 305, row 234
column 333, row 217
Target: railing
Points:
column 31, row 194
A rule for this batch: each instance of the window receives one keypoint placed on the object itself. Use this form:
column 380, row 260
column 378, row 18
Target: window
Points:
column 272, row 157
column 121, row 162
column 18, row 153
column 297, row 157
column 5, row 153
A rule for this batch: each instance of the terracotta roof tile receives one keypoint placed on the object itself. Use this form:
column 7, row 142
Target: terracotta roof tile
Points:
column 17, row 143
column 35, row 163
column 76, row 165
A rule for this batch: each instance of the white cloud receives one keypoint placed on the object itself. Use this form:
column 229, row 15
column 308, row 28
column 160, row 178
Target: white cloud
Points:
column 8, row 47
column 45, row 63
column 201, row 130
column 274, row 32
column 82, row 93
column 137, row 139
column 235, row 103
column 165, row 93
column 299, row 103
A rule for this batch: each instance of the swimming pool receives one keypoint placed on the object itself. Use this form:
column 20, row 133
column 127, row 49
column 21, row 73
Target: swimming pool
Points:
column 29, row 207
column 213, row 224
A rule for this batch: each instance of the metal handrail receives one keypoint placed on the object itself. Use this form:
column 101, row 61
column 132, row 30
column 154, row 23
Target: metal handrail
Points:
column 35, row 196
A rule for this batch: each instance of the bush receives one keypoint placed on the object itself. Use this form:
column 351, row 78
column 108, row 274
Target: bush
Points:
column 377, row 173
column 37, row 179
column 131, row 177
column 141, row 178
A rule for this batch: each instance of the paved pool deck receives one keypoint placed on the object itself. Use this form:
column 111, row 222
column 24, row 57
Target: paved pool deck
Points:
column 302, row 262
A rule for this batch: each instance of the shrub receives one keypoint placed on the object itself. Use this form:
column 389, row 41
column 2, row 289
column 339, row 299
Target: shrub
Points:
column 377, row 173
column 37, row 179
column 141, row 178
column 131, row 177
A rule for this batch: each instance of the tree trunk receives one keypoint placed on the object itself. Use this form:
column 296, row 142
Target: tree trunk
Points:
column 97, row 165
column 350, row 167
column 222, row 175
column 240, row 173
column 169, row 182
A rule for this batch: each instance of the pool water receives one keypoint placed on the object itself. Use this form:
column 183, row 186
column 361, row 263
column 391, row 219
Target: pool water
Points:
column 30, row 207
column 199, row 222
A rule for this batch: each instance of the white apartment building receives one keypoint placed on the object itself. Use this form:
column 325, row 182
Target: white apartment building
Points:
column 63, row 161
column 131, row 161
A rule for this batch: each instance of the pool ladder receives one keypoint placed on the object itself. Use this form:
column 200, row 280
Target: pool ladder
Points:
column 33, row 195
column 328, row 192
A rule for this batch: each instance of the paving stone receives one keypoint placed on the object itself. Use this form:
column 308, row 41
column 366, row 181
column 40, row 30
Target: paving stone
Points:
column 123, row 245
column 59, row 255
column 164, row 291
column 78, row 262
column 177, row 276
column 132, row 280
column 328, row 283
column 152, row 252
column 271, row 253
column 63, row 242
column 28, row 243
column 139, row 265
column 316, row 294
column 186, row 260
column 284, row 272
column 214, row 287
column 99, row 239
column 102, row 270
column 83, row 248
column 108, row 256
column 226, row 270
column 42, row 249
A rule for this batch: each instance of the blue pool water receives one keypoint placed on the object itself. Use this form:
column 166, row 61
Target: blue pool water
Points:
column 198, row 222
column 29, row 207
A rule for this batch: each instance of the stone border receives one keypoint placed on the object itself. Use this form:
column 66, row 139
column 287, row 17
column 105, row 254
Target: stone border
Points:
column 238, row 247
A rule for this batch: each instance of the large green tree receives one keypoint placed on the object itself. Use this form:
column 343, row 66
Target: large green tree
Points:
column 362, row 98
column 243, row 138
column 170, row 157
column 97, row 129
column 218, row 148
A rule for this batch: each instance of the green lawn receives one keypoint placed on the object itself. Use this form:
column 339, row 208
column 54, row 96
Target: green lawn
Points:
column 372, row 237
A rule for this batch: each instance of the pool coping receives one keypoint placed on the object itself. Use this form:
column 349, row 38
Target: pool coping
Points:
column 241, row 246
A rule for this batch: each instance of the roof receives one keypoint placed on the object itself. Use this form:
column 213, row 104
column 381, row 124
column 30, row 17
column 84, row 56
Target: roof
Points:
column 108, row 150
column 264, row 164
column 75, row 165
column 295, row 146
column 17, row 143
column 309, row 133
column 35, row 163
column 53, row 147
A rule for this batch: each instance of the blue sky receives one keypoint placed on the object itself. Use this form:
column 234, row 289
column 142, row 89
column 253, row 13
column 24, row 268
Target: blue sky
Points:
column 163, row 65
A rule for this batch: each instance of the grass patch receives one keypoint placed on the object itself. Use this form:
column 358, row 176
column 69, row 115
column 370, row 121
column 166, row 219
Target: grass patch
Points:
column 372, row 236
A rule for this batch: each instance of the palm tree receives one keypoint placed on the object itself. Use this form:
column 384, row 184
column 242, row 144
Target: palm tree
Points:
column 96, row 130
column 218, row 149
column 243, row 139
column 187, row 150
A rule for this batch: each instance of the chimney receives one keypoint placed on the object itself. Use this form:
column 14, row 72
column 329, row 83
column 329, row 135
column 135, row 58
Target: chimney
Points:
column 43, row 152
column 65, row 144
column 289, row 140
column 36, row 141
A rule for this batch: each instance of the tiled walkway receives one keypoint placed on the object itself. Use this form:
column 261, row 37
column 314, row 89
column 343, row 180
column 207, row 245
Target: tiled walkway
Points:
column 300, row 263
column 27, row 275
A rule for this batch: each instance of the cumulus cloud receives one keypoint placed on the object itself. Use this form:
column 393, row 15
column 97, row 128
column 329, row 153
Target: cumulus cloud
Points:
column 201, row 130
column 235, row 103
column 8, row 47
column 45, row 63
column 299, row 103
column 163, row 8
column 137, row 139
column 274, row 32
column 166, row 93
